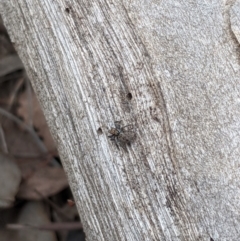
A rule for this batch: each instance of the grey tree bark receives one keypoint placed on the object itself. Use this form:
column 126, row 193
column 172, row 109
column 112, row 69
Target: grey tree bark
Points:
column 171, row 69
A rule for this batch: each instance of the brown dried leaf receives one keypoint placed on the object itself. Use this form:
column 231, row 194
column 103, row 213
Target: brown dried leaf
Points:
column 38, row 119
column 6, row 46
column 10, row 178
column 43, row 182
column 28, row 166
column 19, row 141
column 9, row 64
column 33, row 213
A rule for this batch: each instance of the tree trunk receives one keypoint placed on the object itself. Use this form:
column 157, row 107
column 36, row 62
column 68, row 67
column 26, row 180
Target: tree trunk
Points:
column 168, row 68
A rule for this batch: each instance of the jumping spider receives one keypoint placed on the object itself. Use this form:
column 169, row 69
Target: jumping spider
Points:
column 122, row 135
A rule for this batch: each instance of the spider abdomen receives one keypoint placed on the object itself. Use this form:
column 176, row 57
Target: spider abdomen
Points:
column 121, row 135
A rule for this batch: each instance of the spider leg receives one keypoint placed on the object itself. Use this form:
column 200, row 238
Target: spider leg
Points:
column 116, row 142
column 111, row 137
column 118, row 125
column 123, row 145
column 128, row 129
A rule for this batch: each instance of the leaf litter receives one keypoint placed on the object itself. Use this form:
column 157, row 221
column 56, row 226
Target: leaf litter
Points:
column 33, row 181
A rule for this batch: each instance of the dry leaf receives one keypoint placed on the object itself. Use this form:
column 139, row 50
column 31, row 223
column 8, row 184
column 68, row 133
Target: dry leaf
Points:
column 10, row 64
column 19, row 141
column 10, row 178
column 37, row 118
column 42, row 183
column 33, row 213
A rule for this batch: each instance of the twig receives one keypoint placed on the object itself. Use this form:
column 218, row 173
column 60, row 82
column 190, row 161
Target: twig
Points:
column 53, row 205
column 50, row 226
column 14, row 92
column 47, row 155
column 30, row 102
column 2, row 140
column 26, row 127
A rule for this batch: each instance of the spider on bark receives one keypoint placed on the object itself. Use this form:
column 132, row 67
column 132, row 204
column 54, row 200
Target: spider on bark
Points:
column 122, row 135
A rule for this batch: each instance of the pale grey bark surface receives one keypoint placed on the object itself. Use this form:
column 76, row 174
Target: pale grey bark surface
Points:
column 180, row 61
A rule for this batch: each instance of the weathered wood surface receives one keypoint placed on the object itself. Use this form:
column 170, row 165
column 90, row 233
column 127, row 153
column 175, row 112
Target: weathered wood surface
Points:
column 180, row 61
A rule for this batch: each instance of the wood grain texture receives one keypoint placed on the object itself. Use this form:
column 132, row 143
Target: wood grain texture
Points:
column 180, row 61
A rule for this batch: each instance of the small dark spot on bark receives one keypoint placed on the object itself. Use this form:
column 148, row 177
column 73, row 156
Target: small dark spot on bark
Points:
column 168, row 204
column 99, row 131
column 154, row 115
column 67, row 10
column 129, row 96
column 211, row 239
